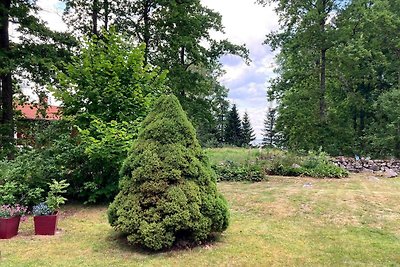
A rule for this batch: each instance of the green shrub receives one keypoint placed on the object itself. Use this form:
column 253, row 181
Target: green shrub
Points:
column 233, row 163
column 168, row 190
column 318, row 165
column 313, row 164
column 234, row 172
column 89, row 160
column 12, row 192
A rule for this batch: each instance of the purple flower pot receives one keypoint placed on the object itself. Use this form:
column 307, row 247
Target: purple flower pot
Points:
column 45, row 225
column 9, row 227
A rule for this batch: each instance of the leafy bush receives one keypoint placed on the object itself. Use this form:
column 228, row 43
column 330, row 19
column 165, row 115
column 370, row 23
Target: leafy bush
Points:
column 88, row 159
column 106, row 91
column 14, row 192
column 54, row 198
column 234, row 163
column 313, row 164
column 230, row 171
column 318, row 165
column 168, row 190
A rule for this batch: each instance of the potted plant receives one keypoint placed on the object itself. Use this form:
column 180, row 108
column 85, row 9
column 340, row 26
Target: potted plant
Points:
column 10, row 216
column 46, row 213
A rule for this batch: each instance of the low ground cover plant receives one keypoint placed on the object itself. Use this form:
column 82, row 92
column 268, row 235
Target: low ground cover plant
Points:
column 238, row 164
column 313, row 164
column 235, row 172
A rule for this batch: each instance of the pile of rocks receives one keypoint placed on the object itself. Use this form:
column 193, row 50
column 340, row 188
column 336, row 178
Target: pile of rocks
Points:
column 389, row 168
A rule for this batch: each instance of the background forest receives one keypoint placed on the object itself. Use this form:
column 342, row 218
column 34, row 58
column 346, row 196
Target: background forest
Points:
column 336, row 89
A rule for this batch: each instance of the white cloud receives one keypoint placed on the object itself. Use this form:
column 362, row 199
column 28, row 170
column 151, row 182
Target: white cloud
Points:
column 51, row 13
column 248, row 23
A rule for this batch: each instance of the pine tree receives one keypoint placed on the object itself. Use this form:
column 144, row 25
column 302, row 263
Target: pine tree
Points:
column 233, row 131
column 248, row 132
column 269, row 132
column 168, row 191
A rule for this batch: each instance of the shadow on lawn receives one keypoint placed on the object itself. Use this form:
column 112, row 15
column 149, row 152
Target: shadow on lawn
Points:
column 122, row 244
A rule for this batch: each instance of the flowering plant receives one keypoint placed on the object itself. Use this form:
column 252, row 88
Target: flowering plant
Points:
column 41, row 209
column 9, row 211
column 53, row 199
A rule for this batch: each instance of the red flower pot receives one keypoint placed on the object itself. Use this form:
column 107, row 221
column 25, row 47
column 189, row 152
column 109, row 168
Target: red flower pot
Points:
column 45, row 225
column 9, row 227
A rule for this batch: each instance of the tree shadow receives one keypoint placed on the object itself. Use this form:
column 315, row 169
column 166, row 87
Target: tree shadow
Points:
column 121, row 243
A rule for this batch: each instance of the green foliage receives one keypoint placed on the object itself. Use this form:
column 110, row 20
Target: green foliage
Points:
column 30, row 54
column 104, row 147
column 109, row 80
column 313, row 165
column 176, row 36
column 233, row 130
column 14, row 192
column 168, row 190
column 54, row 198
column 231, row 161
column 331, row 73
column 106, row 91
column 247, row 131
column 384, row 133
column 235, row 172
column 88, row 159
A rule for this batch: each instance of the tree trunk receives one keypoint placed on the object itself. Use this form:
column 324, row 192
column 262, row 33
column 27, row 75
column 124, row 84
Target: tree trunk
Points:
column 322, row 103
column 106, row 6
column 146, row 34
column 397, row 143
column 182, row 56
column 95, row 17
column 7, row 114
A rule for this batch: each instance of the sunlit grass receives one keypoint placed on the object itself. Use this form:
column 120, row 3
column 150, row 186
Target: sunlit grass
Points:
column 353, row 221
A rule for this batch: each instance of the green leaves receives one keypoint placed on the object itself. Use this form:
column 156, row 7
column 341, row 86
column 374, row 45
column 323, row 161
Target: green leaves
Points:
column 54, row 198
column 109, row 79
column 167, row 190
column 336, row 59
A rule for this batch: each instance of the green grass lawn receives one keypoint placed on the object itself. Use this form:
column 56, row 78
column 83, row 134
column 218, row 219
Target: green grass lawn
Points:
column 235, row 154
column 353, row 221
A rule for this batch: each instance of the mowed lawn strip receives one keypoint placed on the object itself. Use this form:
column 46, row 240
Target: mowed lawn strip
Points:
column 284, row 221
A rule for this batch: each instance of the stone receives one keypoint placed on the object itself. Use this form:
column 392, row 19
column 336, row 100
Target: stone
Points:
column 389, row 173
column 374, row 167
column 296, row 166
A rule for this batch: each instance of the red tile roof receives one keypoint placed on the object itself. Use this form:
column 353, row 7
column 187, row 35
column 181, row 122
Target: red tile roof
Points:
column 30, row 112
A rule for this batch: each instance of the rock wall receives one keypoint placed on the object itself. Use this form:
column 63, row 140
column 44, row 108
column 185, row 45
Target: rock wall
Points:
column 366, row 165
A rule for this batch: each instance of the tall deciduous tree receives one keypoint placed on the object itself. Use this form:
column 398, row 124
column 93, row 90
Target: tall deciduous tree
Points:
column 109, row 80
column 177, row 39
column 334, row 102
column 89, row 17
column 247, row 130
column 31, row 55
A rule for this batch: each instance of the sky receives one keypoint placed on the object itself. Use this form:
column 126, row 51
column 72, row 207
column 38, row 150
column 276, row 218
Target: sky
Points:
column 245, row 23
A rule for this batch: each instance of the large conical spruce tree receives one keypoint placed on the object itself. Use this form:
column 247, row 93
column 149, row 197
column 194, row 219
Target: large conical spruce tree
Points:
column 168, row 190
